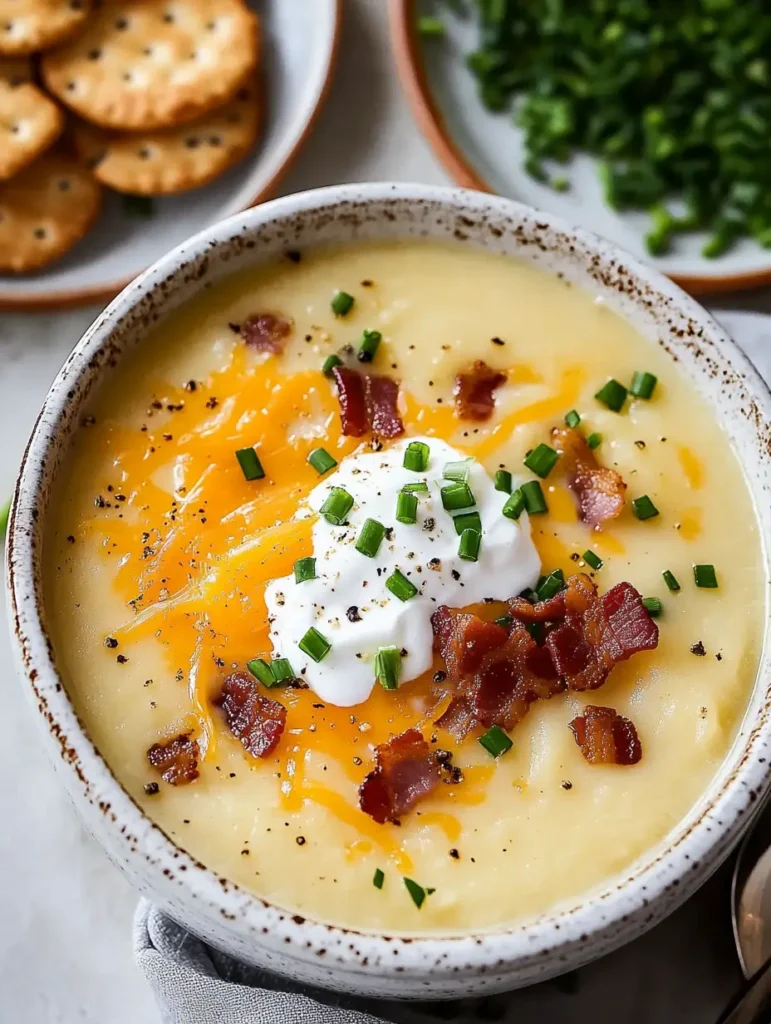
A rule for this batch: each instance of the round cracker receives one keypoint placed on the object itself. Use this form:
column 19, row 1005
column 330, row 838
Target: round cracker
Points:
column 174, row 159
column 29, row 124
column 30, row 25
column 45, row 211
column 155, row 63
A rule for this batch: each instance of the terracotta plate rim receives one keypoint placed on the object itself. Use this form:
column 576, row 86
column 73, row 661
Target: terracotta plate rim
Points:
column 70, row 297
column 409, row 64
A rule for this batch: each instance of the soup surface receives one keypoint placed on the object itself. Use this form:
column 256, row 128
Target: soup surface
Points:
column 162, row 552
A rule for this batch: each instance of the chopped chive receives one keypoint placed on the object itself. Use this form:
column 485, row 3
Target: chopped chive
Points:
column 456, row 497
column 515, row 505
column 406, row 508
column 654, row 606
column 250, row 464
column 321, row 460
column 304, row 570
column 388, row 667
column 612, row 394
column 368, row 346
column 467, row 521
column 705, row 576
column 378, row 878
column 329, row 364
column 400, row 586
column 593, row 560
column 315, row 645
column 416, row 456
column 594, row 440
column 550, row 585
column 542, row 460
column 337, row 506
column 504, row 620
column 419, row 486
column 417, row 892
column 457, row 471
column 644, row 508
column 535, row 503
column 642, row 385
column 282, row 670
column 470, row 542
column 370, row 538
column 342, row 303
column 5, row 511
column 503, row 481
column 572, row 419
column 671, row 580
column 431, row 27
column 261, row 671
column 495, row 741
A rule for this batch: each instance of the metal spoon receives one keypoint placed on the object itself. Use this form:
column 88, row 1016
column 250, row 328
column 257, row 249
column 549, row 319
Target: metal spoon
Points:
column 751, row 915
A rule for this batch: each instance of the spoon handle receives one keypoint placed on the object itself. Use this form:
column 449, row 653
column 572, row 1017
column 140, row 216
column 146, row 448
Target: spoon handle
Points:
column 753, row 1004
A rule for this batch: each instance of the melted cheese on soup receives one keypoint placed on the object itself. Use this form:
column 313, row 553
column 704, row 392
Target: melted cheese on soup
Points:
column 161, row 555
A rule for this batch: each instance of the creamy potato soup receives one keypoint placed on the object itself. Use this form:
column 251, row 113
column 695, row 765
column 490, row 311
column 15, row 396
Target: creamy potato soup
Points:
column 406, row 586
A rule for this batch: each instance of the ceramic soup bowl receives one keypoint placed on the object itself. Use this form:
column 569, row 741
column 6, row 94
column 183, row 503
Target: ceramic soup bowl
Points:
column 212, row 907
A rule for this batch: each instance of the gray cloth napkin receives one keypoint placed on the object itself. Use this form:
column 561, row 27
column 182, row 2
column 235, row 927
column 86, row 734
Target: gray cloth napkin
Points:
column 645, row 982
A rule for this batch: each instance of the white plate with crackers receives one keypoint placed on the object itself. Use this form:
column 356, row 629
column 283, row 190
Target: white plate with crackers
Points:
column 128, row 125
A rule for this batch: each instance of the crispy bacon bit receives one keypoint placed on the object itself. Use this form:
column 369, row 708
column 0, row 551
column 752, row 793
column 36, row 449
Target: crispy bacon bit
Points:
column 353, row 404
column 381, row 395
column 464, row 639
column 254, row 719
column 367, row 403
column 176, row 760
column 599, row 491
column 266, row 332
column 497, row 674
column 605, row 737
column 405, row 772
column 474, row 391
column 597, row 633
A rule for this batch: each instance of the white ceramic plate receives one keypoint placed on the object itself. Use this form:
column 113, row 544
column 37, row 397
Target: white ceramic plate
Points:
column 300, row 45
column 484, row 151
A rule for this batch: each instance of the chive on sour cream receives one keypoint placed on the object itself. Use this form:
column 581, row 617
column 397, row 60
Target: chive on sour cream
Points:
column 358, row 602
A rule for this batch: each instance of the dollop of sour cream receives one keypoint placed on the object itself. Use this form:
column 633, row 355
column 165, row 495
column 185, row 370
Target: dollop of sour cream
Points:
column 348, row 601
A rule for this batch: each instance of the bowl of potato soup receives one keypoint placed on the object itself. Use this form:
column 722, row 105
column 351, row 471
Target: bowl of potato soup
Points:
column 388, row 573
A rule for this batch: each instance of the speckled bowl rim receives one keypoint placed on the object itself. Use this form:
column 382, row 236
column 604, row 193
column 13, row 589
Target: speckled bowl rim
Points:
column 555, row 941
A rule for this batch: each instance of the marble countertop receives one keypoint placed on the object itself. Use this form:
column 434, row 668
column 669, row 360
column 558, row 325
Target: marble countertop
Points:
column 65, row 912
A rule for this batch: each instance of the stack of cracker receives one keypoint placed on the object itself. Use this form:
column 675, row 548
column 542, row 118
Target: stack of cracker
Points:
column 147, row 97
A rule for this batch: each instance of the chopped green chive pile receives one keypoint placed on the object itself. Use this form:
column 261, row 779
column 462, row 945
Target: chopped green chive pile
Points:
column 672, row 98
column 612, row 394
column 470, row 542
column 337, row 506
column 342, row 303
column 456, row 497
column 542, row 460
column 321, row 460
column 671, row 580
column 592, row 560
column 417, row 892
column 550, row 586
column 273, row 673
column 495, row 741
column 400, row 586
column 416, row 456
column 329, row 364
column 315, row 645
column 250, row 464
column 305, row 569
column 369, row 346
column 705, row 576
column 503, row 481
column 406, row 508
column 653, row 605
column 532, row 493
column 370, row 538
column 594, row 440
column 644, row 508
column 467, row 521
column 515, row 505
column 378, row 878
column 388, row 667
